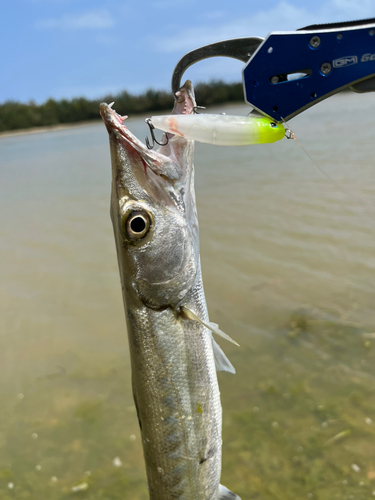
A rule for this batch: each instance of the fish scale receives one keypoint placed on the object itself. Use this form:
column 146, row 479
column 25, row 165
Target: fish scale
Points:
column 178, row 404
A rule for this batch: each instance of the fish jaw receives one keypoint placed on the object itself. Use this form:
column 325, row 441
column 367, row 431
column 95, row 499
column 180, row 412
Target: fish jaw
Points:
column 156, row 188
column 157, row 162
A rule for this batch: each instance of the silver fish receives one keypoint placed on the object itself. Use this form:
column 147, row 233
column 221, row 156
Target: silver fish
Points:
column 173, row 355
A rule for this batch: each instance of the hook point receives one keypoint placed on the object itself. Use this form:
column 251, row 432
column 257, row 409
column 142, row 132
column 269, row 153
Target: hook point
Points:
column 154, row 141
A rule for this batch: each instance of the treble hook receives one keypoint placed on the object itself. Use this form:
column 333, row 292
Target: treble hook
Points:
column 195, row 109
column 151, row 127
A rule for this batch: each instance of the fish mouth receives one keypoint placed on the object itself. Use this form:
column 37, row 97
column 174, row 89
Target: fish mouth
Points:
column 159, row 163
column 185, row 100
column 114, row 123
column 184, row 105
column 109, row 115
column 164, row 162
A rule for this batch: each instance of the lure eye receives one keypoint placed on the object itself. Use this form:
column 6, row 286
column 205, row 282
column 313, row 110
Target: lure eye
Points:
column 137, row 224
column 273, row 124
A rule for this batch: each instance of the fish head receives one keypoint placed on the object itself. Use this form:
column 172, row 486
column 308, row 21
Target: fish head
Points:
column 153, row 211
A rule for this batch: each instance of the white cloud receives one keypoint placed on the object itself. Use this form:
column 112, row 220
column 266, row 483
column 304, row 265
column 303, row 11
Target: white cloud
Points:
column 282, row 17
column 95, row 19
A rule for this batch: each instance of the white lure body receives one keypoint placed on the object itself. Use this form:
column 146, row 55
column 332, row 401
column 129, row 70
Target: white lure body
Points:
column 221, row 130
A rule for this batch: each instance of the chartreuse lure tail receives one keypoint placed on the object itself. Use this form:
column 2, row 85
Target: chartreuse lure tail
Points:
column 221, row 130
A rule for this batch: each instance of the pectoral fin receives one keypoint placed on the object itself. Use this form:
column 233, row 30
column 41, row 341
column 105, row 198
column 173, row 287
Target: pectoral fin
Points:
column 222, row 363
column 211, row 326
column 225, row 494
column 215, row 329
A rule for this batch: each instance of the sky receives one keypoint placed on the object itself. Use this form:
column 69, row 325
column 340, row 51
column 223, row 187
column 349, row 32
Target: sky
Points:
column 90, row 48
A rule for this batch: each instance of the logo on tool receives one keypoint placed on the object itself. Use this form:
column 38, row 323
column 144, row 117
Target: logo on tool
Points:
column 343, row 62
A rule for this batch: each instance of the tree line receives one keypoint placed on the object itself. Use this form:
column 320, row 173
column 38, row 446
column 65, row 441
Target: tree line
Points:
column 16, row 115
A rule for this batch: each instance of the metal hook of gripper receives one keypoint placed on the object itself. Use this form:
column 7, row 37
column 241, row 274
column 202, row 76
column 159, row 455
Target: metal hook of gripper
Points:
column 153, row 138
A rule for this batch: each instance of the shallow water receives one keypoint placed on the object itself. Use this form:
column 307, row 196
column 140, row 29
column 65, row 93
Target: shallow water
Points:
column 289, row 272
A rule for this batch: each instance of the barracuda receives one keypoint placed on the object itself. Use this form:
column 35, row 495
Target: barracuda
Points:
column 173, row 355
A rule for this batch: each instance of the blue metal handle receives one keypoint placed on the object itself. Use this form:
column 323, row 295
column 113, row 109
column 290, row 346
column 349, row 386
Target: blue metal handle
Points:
column 293, row 71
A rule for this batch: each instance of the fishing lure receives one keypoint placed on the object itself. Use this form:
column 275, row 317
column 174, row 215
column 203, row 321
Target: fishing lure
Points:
column 221, row 130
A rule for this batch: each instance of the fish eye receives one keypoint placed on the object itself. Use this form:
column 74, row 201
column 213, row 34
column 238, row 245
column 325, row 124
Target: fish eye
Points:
column 273, row 124
column 137, row 224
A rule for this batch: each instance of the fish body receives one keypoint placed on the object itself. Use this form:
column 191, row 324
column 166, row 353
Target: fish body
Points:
column 173, row 355
column 221, row 130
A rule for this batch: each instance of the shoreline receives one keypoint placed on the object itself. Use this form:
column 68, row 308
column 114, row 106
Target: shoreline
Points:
column 63, row 126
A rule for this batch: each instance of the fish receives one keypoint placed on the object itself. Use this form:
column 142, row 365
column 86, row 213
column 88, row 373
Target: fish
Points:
column 174, row 357
column 221, row 130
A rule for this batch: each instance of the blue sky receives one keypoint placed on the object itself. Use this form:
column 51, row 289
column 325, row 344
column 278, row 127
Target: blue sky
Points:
column 70, row 48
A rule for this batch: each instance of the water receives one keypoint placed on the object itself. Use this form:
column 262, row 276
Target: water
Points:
column 289, row 272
